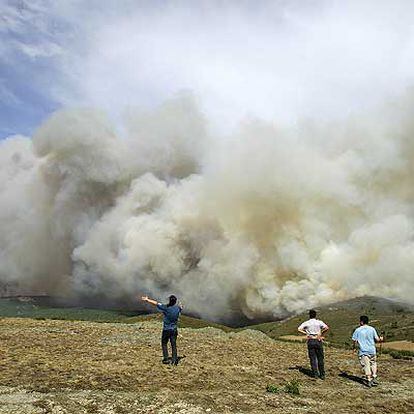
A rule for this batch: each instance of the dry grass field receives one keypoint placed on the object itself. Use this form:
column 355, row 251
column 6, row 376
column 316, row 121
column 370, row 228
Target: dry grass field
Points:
column 86, row 367
column 295, row 338
column 400, row 345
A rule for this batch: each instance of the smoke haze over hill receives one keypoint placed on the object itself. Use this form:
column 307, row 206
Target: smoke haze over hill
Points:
column 235, row 200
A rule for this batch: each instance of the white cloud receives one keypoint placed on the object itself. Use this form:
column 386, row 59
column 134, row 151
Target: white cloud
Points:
column 282, row 61
column 28, row 28
column 274, row 60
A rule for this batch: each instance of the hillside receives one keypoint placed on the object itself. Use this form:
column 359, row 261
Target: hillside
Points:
column 395, row 319
column 85, row 367
column 39, row 307
column 42, row 308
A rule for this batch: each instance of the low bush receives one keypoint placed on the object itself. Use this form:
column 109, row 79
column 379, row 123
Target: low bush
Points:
column 292, row 387
column 272, row 388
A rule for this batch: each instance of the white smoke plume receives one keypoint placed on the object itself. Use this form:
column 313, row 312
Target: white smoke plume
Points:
column 269, row 221
column 283, row 180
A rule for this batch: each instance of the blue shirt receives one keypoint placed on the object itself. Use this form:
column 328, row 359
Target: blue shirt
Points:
column 171, row 315
column 366, row 336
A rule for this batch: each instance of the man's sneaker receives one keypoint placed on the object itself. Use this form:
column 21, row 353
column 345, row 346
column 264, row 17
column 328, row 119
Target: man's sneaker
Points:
column 322, row 376
column 375, row 382
column 369, row 383
column 166, row 361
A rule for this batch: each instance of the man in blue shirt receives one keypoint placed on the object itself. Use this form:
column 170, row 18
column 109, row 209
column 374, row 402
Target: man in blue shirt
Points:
column 366, row 336
column 171, row 313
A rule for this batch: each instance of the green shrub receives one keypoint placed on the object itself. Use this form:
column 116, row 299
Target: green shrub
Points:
column 272, row 388
column 292, row 387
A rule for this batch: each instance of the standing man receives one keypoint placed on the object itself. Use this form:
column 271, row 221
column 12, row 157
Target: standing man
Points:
column 314, row 330
column 171, row 313
column 366, row 336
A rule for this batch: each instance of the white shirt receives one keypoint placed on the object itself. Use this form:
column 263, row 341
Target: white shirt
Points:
column 313, row 326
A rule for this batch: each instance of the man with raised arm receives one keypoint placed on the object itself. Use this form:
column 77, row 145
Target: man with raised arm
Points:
column 314, row 330
column 171, row 313
column 365, row 337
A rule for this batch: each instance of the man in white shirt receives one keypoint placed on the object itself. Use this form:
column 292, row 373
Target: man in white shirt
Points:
column 314, row 330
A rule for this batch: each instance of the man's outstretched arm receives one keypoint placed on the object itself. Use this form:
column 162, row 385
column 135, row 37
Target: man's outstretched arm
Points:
column 148, row 300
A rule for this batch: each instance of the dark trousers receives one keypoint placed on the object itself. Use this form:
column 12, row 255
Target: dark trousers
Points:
column 315, row 351
column 169, row 335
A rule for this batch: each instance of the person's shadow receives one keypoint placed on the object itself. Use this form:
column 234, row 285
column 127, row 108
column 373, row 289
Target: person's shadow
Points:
column 177, row 361
column 351, row 377
column 306, row 371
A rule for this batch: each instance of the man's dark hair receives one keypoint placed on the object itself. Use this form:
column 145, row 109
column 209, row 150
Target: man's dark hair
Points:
column 312, row 313
column 364, row 319
column 172, row 300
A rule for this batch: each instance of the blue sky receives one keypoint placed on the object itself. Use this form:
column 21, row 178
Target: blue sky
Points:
column 26, row 54
column 35, row 36
column 277, row 60
column 23, row 103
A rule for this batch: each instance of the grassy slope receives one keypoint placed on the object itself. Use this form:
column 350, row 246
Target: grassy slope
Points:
column 396, row 319
column 30, row 309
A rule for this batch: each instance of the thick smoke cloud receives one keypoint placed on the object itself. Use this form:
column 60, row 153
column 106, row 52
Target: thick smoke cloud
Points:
column 268, row 221
column 282, row 180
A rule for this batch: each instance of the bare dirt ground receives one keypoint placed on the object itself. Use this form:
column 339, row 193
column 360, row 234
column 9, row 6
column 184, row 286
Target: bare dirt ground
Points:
column 85, row 367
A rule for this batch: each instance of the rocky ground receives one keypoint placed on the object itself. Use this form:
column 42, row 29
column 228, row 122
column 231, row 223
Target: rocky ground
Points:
column 85, row 367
